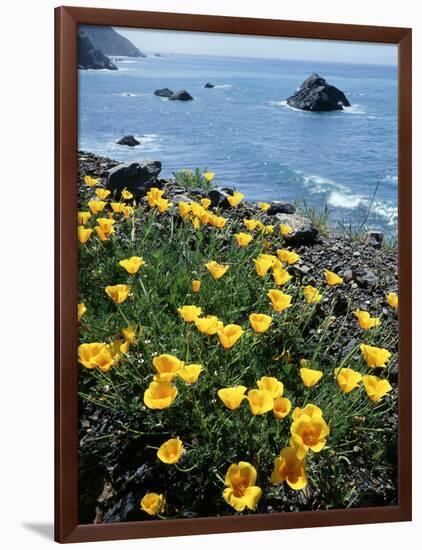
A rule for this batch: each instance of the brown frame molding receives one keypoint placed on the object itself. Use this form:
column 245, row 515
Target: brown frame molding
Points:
column 66, row 521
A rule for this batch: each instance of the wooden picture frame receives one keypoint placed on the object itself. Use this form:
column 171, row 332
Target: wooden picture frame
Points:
column 66, row 521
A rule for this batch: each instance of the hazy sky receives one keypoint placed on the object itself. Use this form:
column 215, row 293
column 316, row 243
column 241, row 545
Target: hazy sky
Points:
column 260, row 46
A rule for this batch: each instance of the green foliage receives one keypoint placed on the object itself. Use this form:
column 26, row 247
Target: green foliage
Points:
column 191, row 179
column 214, row 437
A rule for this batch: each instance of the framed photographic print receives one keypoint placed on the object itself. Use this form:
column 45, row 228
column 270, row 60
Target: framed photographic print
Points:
column 233, row 241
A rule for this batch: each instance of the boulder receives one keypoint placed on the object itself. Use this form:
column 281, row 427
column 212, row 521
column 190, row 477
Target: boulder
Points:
column 281, row 207
column 374, row 239
column 304, row 233
column 208, row 85
column 181, row 95
column 218, row 197
column 315, row 94
column 130, row 141
column 163, row 92
column 365, row 277
column 136, row 176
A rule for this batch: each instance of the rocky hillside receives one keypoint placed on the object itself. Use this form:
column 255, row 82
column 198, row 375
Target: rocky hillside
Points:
column 91, row 58
column 110, row 42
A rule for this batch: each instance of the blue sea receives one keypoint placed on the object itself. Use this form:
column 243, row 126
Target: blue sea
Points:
column 244, row 132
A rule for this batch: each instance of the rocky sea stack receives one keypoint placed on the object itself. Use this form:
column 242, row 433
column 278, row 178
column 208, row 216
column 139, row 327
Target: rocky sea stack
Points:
column 129, row 141
column 91, row 58
column 181, row 95
column 315, row 94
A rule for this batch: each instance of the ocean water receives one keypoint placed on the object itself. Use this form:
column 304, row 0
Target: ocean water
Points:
column 244, row 132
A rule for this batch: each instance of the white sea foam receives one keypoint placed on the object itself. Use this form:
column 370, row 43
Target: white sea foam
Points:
column 342, row 196
column 223, row 86
column 355, row 109
column 344, row 200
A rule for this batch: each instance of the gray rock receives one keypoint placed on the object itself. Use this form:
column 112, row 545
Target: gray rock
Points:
column 281, row 207
column 374, row 239
column 306, row 234
column 218, row 197
column 365, row 277
column 130, row 141
column 137, row 177
column 181, row 95
column 163, row 92
column 209, row 85
column 315, row 95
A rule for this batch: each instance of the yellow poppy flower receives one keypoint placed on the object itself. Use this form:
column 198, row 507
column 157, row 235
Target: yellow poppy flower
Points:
column 118, row 293
column 205, row 203
column 375, row 357
column 243, row 239
column 287, row 256
column 310, row 432
column 129, row 334
column 184, row 209
column 127, row 211
column 160, row 395
column 260, row 401
column 332, row 278
column 365, row 320
column 90, row 181
column 312, row 295
column 241, row 491
column 376, row 388
column 81, row 311
column 251, row 225
column 289, row 467
column 127, row 195
column 83, row 234
column 132, row 264
column 310, row 377
column 217, row 221
column 83, row 217
column 229, row 335
column 271, row 385
column 281, row 275
column 87, row 354
column 347, row 379
column 196, row 285
column 170, row 451
column 264, row 206
column 209, row 325
column 154, row 195
column 281, row 407
column 153, row 504
column 393, row 300
column 217, row 270
column 102, row 193
column 269, row 229
column 162, row 205
column 167, row 366
column 190, row 373
column 235, row 199
column 285, row 229
column 279, row 300
column 260, row 322
column 189, row 313
column 262, row 265
column 209, row 176
column 116, row 207
column 232, row 397
column 104, row 228
column 196, row 209
column 96, row 206
column 310, row 410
